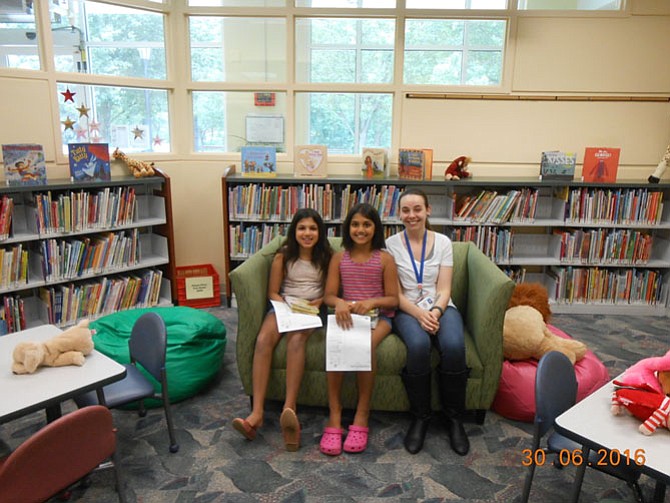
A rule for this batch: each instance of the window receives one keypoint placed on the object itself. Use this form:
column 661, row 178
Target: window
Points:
column 454, row 51
column 344, row 50
column 238, row 49
column 345, row 122
column 563, row 5
column 19, row 46
column 135, row 120
column 221, row 121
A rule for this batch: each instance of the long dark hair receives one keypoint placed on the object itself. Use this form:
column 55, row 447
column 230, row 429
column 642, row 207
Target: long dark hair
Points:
column 367, row 211
column 321, row 252
column 414, row 191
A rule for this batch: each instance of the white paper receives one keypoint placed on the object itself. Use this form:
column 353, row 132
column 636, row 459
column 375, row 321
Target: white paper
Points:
column 349, row 350
column 288, row 321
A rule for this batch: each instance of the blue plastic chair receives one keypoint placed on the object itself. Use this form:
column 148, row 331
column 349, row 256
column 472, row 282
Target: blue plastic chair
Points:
column 147, row 346
column 556, row 392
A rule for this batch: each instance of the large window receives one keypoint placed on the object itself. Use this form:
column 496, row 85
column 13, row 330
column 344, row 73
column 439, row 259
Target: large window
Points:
column 258, row 72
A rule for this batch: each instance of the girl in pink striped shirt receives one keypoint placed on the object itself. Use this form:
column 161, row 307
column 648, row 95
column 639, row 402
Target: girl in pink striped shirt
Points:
column 362, row 278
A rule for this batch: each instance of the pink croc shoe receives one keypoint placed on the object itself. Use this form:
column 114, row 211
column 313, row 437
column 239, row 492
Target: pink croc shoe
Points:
column 331, row 441
column 357, row 439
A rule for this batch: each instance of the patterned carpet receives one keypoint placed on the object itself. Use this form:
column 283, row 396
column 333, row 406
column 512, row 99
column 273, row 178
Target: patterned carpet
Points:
column 215, row 464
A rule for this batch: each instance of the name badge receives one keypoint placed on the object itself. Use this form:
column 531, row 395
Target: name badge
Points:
column 425, row 302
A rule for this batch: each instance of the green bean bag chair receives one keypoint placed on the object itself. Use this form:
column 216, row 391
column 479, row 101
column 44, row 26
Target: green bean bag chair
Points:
column 196, row 341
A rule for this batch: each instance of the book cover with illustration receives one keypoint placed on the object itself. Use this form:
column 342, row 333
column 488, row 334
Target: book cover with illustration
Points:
column 24, row 164
column 557, row 165
column 375, row 163
column 259, row 161
column 415, row 163
column 89, row 162
column 311, row 160
column 600, row 164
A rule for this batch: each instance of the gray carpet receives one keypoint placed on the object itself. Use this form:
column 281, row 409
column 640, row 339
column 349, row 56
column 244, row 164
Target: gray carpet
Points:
column 215, row 464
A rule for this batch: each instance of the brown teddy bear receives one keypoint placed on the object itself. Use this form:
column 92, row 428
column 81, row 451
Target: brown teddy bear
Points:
column 67, row 348
column 533, row 295
column 525, row 335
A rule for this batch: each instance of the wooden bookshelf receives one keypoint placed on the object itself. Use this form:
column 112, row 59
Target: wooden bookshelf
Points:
column 85, row 249
column 598, row 248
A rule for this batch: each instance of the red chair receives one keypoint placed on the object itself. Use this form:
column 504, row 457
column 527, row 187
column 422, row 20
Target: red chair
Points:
column 59, row 455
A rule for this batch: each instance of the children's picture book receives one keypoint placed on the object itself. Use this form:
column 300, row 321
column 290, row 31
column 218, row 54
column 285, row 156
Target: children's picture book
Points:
column 311, row 160
column 415, row 163
column 24, row 164
column 557, row 165
column 89, row 162
column 375, row 163
column 259, row 161
column 600, row 164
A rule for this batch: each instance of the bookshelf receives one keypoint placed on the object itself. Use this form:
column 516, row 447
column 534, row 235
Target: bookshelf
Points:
column 77, row 250
column 598, row 248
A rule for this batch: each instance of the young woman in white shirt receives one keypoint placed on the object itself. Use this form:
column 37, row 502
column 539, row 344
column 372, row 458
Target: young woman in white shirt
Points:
column 427, row 317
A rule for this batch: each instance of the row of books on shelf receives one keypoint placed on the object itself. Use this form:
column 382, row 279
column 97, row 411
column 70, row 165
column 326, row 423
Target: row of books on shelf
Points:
column 494, row 242
column 258, row 201
column 490, row 206
column 70, row 302
column 631, row 205
column 615, row 286
column 12, row 314
column 73, row 258
column 620, row 246
column 83, row 210
column 13, row 266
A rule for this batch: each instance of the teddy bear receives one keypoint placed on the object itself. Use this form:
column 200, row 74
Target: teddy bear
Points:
column 458, row 169
column 525, row 335
column 534, row 295
column 644, row 391
column 67, row 348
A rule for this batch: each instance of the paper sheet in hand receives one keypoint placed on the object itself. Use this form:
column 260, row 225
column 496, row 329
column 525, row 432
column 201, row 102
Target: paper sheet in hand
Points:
column 288, row 321
column 348, row 350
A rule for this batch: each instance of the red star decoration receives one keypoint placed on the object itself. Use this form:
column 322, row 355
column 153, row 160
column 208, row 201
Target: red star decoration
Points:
column 68, row 95
column 138, row 132
column 68, row 123
column 94, row 126
column 158, row 140
column 83, row 110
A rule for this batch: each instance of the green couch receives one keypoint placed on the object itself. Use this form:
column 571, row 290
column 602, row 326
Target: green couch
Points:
column 480, row 291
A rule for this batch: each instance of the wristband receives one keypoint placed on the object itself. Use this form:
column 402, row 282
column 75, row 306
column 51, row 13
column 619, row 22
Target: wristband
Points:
column 438, row 308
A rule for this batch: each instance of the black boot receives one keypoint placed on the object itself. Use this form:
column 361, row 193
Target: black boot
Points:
column 418, row 393
column 452, row 395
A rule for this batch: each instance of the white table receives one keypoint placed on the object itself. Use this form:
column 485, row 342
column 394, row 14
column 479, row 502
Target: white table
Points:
column 592, row 424
column 49, row 386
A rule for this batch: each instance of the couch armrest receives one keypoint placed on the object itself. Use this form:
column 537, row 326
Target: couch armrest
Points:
column 249, row 282
column 489, row 291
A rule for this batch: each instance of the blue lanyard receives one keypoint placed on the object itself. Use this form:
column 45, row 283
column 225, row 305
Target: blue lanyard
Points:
column 418, row 273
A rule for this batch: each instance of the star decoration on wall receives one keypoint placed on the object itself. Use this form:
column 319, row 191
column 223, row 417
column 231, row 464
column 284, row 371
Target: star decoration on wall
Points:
column 68, row 95
column 81, row 132
column 83, row 110
column 139, row 133
column 158, row 140
column 94, row 126
column 68, row 123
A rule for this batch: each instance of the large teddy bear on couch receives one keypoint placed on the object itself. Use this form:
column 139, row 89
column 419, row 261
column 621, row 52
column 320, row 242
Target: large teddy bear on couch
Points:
column 525, row 332
column 67, row 348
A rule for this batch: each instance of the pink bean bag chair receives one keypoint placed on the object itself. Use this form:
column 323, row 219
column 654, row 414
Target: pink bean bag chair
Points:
column 515, row 398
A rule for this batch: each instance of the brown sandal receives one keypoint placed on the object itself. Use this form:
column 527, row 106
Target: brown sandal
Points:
column 290, row 427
